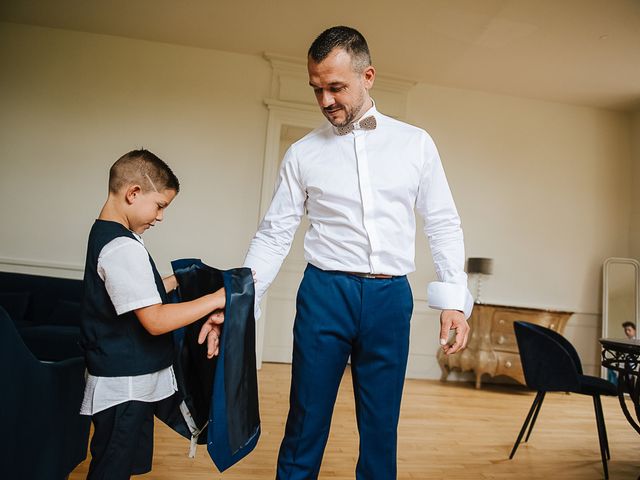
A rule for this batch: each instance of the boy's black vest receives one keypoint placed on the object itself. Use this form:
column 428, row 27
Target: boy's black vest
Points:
column 117, row 345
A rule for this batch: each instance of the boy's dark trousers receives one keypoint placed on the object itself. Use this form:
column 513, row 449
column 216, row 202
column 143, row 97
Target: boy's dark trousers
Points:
column 122, row 443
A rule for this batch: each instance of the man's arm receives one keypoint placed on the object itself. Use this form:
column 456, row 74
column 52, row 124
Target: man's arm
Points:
column 442, row 228
column 272, row 241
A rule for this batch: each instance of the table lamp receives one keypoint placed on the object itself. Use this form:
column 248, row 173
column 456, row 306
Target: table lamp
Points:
column 479, row 266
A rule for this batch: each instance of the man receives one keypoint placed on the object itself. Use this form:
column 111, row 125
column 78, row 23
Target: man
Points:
column 359, row 178
column 629, row 329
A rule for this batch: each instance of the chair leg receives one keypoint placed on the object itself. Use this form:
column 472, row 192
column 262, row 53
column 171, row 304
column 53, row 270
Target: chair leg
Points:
column 535, row 417
column 601, row 440
column 534, row 408
column 604, row 428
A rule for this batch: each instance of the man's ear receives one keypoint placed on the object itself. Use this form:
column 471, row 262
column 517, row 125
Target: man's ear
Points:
column 132, row 193
column 369, row 75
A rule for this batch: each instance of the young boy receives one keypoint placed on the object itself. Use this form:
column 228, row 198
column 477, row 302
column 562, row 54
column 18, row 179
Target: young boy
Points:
column 126, row 321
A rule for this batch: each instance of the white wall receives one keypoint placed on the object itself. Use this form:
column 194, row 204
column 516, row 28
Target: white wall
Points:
column 72, row 103
column 543, row 188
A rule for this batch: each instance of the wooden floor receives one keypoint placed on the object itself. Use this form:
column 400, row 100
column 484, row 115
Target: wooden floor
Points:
column 447, row 431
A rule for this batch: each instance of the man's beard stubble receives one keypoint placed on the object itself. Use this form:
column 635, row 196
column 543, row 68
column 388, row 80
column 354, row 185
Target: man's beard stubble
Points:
column 350, row 114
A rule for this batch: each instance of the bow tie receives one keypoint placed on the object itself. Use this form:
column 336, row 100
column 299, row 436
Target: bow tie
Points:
column 367, row 123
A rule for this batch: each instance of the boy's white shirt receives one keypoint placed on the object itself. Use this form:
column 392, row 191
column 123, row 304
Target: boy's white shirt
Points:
column 130, row 284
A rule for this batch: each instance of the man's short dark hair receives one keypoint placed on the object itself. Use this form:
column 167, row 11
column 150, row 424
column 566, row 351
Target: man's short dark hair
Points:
column 629, row 324
column 141, row 167
column 346, row 38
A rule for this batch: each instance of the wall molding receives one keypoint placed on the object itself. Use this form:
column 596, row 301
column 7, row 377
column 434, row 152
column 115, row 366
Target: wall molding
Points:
column 41, row 264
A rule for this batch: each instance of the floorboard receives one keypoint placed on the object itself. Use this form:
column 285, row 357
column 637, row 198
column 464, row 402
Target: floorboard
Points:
column 447, row 431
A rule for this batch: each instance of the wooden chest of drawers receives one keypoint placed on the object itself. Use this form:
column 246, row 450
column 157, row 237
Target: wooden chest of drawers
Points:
column 492, row 347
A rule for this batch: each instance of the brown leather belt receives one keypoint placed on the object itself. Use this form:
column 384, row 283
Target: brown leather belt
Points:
column 370, row 275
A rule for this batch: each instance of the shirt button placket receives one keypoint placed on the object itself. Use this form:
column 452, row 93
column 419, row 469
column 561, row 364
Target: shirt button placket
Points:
column 366, row 195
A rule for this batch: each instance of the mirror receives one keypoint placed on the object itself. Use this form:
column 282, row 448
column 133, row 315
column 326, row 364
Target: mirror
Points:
column 620, row 289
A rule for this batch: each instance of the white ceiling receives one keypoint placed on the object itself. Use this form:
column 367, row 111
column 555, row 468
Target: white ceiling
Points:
column 584, row 52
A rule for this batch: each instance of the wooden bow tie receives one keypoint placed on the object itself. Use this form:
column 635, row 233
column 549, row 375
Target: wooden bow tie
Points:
column 368, row 123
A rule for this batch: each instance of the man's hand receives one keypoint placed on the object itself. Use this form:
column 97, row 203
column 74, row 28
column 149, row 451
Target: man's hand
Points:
column 170, row 283
column 453, row 320
column 210, row 332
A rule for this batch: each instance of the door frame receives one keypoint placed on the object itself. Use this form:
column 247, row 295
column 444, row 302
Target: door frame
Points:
column 281, row 114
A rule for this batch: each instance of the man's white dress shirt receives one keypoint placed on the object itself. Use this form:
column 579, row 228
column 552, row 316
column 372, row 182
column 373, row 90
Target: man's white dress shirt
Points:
column 359, row 192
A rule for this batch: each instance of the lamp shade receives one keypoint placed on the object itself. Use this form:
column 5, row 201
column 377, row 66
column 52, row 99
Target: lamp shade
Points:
column 480, row 265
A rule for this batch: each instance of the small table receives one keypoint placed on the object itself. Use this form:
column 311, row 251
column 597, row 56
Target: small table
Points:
column 623, row 356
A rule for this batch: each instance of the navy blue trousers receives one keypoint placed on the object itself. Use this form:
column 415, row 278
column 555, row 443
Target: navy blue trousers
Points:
column 340, row 315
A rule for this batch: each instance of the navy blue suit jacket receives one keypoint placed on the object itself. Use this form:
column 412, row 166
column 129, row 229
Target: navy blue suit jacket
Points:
column 222, row 391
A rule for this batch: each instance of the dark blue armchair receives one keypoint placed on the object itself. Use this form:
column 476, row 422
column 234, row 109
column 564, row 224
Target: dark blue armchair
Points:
column 43, row 435
column 551, row 364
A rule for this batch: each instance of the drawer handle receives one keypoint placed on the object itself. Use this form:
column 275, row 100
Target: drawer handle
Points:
column 508, row 364
column 501, row 322
column 501, row 340
column 552, row 325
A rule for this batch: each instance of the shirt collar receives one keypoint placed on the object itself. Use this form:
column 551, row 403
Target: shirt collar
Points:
column 373, row 111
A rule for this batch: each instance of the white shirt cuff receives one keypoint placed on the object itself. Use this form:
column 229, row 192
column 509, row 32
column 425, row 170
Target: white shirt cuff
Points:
column 450, row 296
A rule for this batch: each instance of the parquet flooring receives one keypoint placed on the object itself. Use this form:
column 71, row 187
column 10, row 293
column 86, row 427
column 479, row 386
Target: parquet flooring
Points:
column 447, row 431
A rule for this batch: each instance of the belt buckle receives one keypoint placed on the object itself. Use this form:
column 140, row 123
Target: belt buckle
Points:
column 369, row 275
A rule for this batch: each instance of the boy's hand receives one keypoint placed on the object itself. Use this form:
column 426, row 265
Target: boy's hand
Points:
column 211, row 332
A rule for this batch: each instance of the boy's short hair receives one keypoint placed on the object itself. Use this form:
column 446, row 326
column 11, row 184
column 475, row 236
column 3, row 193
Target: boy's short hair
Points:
column 629, row 324
column 141, row 167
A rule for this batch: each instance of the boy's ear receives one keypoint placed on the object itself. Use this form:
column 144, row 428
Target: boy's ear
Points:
column 132, row 193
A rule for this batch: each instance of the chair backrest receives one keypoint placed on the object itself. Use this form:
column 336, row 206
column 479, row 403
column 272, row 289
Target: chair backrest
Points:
column 43, row 294
column 12, row 348
column 40, row 402
column 549, row 361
